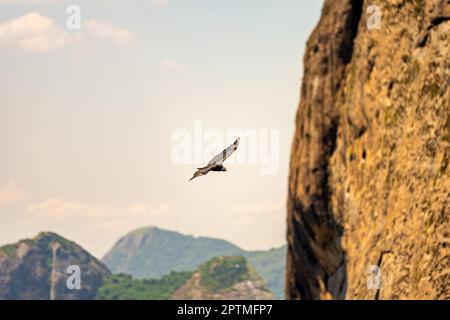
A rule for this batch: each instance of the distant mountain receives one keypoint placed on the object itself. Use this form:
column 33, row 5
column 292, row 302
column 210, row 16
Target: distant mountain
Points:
column 224, row 278
column 36, row 269
column 153, row 252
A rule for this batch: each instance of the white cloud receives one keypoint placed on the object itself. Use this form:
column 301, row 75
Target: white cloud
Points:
column 32, row 32
column 173, row 65
column 23, row 1
column 158, row 3
column 59, row 208
column 38, row 33
column 94, row 225
column 10, row 191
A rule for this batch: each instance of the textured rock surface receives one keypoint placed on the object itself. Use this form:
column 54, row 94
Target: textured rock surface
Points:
column 36, row 269
column 369, row 178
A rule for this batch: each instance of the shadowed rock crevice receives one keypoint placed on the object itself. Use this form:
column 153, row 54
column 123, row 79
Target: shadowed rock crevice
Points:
column 351, row 30
column 316, row 261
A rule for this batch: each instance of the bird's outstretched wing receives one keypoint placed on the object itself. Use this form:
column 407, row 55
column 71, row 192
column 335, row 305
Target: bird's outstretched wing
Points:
column 221, row 157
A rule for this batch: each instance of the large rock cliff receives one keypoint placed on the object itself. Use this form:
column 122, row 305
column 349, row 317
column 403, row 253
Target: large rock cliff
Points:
column 369, row 179
column 37, row 269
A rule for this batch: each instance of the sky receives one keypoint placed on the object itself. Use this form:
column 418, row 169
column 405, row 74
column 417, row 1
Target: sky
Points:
column 102, row 126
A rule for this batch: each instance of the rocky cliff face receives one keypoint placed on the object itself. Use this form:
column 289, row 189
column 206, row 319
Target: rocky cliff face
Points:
column 369, row 179
column 36, row 269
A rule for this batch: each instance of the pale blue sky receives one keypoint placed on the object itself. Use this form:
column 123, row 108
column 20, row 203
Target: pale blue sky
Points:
column 85, row 126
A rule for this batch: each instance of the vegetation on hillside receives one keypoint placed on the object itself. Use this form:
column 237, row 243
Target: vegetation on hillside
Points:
column 9, row 250
column 125, row 287
column 223, row 272
column 153, row 252
column 224, row 278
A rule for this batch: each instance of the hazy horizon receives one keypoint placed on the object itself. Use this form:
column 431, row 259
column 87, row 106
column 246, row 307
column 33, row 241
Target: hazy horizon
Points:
column 87, row 117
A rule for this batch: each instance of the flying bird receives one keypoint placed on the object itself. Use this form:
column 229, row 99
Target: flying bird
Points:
column 216, row 163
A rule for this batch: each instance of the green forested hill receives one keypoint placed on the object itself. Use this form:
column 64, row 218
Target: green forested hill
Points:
column 153, row 252
column 226, row 277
